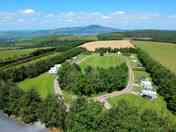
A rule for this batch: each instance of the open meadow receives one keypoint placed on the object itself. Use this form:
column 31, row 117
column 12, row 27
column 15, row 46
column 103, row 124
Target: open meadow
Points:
column 165, row 53
column 43, row 84
column 106, row 61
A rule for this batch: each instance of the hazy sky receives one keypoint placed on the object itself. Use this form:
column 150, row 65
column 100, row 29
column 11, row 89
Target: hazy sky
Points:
column 124, row 14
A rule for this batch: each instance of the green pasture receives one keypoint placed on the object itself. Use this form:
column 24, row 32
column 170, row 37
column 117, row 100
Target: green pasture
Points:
column 165, row 53
column 37, row 59
column 43, row 84
column 15, row 53
column 106, row 61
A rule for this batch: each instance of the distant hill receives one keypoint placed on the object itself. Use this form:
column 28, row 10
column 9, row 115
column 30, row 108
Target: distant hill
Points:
column 87, row 30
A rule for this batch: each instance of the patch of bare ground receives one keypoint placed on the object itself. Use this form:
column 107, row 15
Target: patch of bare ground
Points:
column 92, row 46
column 55, row 130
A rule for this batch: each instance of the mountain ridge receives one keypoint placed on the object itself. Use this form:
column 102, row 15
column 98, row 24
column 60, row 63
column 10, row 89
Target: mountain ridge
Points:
column 79, row 30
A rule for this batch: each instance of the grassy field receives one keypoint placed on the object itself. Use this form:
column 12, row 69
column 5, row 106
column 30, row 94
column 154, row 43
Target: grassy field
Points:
column 15, row 53
column 106, row 61
column 158, row 105
column 43, row 84
column 35, row 60
column 165, row 53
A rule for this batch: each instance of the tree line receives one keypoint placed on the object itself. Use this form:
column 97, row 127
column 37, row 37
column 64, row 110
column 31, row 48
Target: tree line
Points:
column 147, row 35
column 115, row 50
column 162, row 77
column 20, row 73
column 91, row 81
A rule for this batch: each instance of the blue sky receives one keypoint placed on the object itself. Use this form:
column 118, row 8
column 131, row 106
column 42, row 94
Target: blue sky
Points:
column 124, row 14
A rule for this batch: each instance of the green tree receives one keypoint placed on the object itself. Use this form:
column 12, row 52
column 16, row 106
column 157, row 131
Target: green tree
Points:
column 52, row 112
column 29, row 105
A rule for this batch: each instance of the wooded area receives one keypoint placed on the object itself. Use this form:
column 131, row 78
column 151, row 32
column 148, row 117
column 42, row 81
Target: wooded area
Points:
column 92, row 81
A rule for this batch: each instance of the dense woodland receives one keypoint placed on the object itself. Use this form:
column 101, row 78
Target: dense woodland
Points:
column 91, row 81
column 162, row 77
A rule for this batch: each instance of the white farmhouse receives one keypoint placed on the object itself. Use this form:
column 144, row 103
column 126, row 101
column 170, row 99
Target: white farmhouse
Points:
column 54, row 70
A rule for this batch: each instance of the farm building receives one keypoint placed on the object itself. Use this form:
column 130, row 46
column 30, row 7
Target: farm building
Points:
column 147, row 89
column 54, row 70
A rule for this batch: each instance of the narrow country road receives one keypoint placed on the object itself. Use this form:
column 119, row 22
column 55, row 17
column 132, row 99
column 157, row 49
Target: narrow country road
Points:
column 57, row 89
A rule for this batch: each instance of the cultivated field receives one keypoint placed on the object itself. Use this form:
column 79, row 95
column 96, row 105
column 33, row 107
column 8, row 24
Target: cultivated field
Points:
column 106, row 61
column 165, row 53
column 15, row 53
column 92, row 46
column 43, row 84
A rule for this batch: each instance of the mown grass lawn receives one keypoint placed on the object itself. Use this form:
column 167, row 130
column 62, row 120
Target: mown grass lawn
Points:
column 165, row 53
column 43, row 84
column 158, row 105
column 106, row 61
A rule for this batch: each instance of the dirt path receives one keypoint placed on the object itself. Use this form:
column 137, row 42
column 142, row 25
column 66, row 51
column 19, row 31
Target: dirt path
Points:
column 129, row 87
column 57, row 89
column 79, row 62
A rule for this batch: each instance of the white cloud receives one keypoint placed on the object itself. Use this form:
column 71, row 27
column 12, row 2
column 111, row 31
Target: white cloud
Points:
column 120, row 19
column 29, row 11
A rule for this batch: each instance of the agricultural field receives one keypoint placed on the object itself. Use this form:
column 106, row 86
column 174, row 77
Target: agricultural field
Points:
column 43, row 84
column 37, row 59
column 15, row 53
column 106, row 61
column 92, row 46
column 165, row 53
